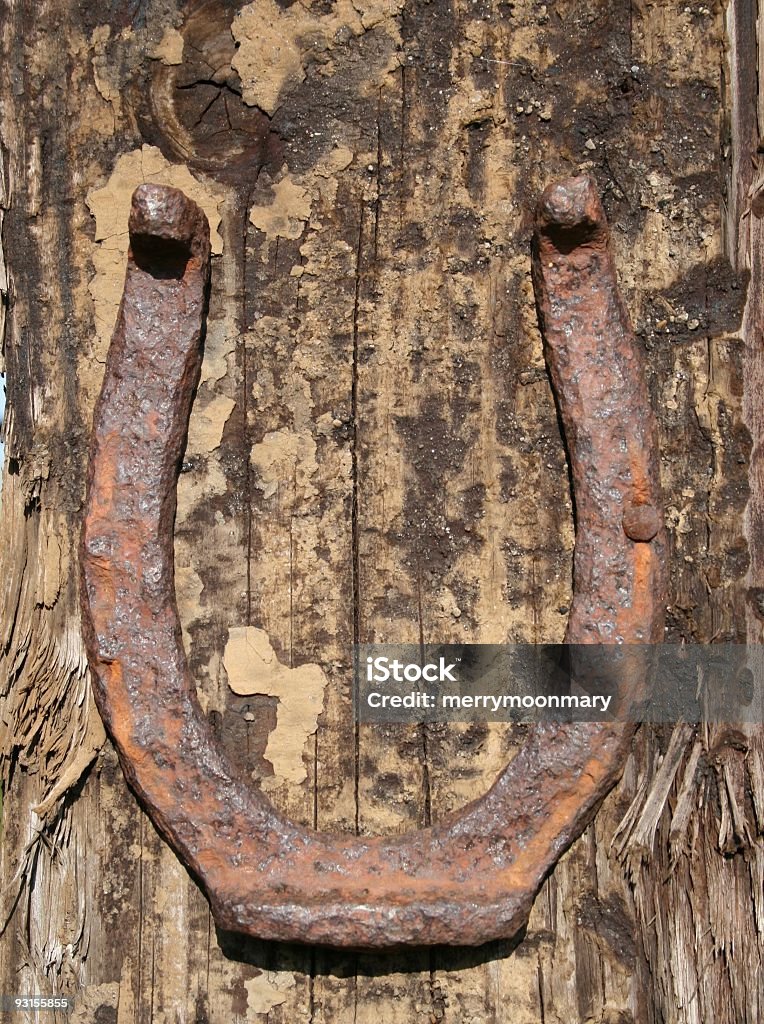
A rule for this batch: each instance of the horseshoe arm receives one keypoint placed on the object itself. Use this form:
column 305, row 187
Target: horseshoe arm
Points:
column 472, row 877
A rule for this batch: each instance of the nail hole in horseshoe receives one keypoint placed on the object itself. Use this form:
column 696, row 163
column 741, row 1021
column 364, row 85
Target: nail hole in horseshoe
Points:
column 164, row 259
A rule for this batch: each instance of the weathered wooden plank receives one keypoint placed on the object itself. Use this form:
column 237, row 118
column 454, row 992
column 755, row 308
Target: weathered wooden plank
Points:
column 373, row 455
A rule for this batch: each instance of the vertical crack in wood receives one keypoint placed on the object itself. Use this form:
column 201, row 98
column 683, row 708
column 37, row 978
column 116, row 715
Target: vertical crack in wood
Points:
column 355, row 511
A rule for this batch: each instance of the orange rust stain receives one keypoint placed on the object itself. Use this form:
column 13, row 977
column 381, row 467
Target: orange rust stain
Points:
column 152, row 424
column 640, row 478
column 645, row 567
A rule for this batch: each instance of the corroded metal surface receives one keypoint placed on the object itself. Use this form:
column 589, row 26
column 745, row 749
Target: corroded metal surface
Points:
column 473, row 876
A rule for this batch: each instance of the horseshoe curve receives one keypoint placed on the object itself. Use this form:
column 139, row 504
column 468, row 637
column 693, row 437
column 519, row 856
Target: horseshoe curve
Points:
column 473, row 876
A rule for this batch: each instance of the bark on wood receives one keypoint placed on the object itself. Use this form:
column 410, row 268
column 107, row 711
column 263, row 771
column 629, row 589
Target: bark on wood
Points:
column 374, row 454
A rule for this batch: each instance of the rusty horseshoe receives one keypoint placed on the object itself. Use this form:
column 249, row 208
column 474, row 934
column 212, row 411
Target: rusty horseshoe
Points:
column 473, row 876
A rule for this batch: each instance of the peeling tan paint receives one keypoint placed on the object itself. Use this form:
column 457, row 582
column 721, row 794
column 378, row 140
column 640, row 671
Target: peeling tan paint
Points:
column 285, row 207
column 253, row 668
column 197, row 487
column 447, row 605
column 285, row 459
column 275, row 45
column 269, row 56
column 268, row 989
column 316, row 251
column 287, row 214
column 169, row 49
column 110, row 205
column 336, row 160
column 205, row 430
column 219, row 344
column 87, row 64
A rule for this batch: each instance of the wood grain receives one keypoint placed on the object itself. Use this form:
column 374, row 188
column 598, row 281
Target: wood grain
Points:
column 372, row 479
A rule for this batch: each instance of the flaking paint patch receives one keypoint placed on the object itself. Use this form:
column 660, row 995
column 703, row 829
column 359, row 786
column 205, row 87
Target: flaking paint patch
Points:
column 316, row 251
column 286, row 460
column 284, row 207
column 336, row 160
column 169, row 49
column 270, row 57
column 219, row 345
column 276, row 45
column 205, row 430
column 110, row 205
column 268, row 989
column 288, row 212
column 194, row 488
column 253, row 668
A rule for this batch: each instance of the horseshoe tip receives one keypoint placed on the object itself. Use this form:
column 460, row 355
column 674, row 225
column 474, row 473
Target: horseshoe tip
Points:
column 572, row 206
column 166, row 214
